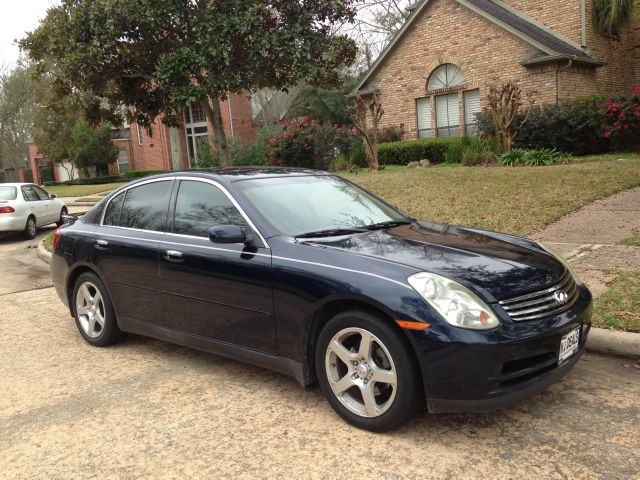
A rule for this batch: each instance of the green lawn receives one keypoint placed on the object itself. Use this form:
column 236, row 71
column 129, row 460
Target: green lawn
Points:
column 518, row 200
column 634, row 241
column 81, row 190
column 619, row 306
column 48, row 242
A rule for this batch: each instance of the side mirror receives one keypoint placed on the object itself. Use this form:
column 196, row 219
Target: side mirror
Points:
column 52, row 196
column 229, row 234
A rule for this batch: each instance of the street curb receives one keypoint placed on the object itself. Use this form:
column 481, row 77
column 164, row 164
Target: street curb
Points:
column 81, row 204
column 43, row 254
column 614, row 342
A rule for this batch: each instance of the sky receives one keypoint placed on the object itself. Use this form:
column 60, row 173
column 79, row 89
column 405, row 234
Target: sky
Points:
column 17, row 18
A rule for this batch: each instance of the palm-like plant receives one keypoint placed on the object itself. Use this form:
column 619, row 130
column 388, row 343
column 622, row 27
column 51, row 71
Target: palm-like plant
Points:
column 610, row 16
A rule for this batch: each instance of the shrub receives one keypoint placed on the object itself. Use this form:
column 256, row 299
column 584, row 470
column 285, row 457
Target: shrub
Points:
column 95, row 180
column 533, row 158
column 453, row 153
column 513, row 158
column 621, row 115
column 391, row 134
column 339, row 163
column 401, row 153
column 357, row 156
column 131, row 174
column 476, row 151
column 254, row 153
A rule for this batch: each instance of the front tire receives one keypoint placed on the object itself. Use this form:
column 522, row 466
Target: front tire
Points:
column 93, row 311
column 63, row 212
column 30, row 229
column 367, row 371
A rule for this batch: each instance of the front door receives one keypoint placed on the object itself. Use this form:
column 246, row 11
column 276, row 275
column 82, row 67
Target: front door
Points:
column 220, row 292
column 126, row 251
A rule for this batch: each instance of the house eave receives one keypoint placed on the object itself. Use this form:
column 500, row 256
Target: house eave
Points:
column 555, row 58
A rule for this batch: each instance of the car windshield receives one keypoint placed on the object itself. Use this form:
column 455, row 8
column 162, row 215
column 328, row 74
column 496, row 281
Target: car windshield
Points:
column 8, row 193
column 322, row 205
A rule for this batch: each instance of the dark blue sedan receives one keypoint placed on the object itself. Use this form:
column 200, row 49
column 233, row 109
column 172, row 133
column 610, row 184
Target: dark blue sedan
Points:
column 308, row 274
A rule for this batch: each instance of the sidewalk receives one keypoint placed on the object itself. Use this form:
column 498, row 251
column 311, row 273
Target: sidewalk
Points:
column 592, row 238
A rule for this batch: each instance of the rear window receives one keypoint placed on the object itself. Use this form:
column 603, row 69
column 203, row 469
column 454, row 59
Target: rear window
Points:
column 145, row 207
column 8, row 193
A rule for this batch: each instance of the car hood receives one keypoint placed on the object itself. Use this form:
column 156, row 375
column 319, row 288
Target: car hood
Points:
column 494, row 265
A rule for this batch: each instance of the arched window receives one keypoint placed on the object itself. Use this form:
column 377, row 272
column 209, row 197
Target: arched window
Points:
column 446, row 76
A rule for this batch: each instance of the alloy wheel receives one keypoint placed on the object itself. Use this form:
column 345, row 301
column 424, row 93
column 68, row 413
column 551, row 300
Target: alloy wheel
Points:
column 31, row 227
column 90, row 309
column 361, row 372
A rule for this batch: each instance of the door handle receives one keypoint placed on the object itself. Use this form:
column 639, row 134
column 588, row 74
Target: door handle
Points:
column 173, row 256
column 101, row 244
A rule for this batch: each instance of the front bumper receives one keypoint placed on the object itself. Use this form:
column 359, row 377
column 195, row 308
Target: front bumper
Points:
column 467, row 371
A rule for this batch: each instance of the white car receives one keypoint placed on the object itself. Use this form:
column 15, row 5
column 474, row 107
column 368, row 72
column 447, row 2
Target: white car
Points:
column 24, row 207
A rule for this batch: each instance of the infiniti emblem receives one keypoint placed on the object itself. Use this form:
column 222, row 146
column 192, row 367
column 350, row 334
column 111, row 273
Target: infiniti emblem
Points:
column 560, row 297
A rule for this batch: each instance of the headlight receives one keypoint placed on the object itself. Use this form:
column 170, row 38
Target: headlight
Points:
column 458, row 305
column 555, row 253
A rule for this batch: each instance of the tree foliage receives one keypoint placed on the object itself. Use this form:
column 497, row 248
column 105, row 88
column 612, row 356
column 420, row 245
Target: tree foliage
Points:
column 324, row 105
column 159, row 56
column 609, row 16
column 92, row 148
column 16, row 101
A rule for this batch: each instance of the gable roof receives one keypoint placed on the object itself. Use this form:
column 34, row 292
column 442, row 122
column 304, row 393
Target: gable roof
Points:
column 549, row 45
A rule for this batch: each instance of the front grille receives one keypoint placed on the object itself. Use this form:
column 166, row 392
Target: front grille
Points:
column 542, row 303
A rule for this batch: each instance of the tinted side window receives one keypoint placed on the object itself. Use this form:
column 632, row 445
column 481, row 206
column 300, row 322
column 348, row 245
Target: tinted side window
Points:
column 112, row 214
column 145, row 206
column 42, row 195
column 29, row 195
column 200, row 206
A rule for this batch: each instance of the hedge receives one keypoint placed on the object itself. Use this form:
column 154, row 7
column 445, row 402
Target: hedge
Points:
column 131, row 174
column 405, row 151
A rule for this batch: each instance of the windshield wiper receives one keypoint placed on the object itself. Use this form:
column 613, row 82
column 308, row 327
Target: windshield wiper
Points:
column 332, row 232
column 388, row 224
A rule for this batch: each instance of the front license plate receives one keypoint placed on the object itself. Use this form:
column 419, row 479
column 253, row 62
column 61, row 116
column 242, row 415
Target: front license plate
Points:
column 569, row 345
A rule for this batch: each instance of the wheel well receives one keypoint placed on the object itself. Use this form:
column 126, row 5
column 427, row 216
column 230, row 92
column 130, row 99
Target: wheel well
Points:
column 71, row 282
column 326, row 313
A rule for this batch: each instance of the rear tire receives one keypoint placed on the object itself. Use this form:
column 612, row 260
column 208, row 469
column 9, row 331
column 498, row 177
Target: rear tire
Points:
column 30, row 229
column 93, row 311
column 63, row 212
column 373, row 385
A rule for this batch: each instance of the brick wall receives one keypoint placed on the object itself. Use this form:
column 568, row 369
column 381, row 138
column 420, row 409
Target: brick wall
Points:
column 153, row 153
column 565, row 18
column 447, row 32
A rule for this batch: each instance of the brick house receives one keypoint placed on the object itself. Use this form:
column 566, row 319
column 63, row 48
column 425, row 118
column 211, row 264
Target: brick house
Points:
column 159, row 147
column 433, row 76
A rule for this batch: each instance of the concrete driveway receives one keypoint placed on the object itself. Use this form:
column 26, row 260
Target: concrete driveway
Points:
column 145, row 408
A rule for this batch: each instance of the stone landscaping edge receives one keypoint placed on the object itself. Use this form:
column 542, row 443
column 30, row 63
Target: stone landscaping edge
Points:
column 601, row 340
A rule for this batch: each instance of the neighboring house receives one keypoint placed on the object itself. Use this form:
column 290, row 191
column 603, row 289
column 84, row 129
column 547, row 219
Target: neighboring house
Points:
column 434, row 75
column 271, row 107
column 158, row 147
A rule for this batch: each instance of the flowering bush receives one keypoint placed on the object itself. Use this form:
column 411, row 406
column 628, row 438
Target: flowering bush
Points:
column 306, row 143
column 622, row 118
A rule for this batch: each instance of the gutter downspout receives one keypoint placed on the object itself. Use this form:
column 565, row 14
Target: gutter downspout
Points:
column 583, row 13
column 559, row 79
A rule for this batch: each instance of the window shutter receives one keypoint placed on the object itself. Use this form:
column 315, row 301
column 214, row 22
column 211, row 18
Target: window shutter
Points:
column 423, row 111
column 471, row 107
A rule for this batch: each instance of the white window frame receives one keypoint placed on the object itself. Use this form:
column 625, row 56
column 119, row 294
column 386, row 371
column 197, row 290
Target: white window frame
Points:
column 192, row 137
column 140, row 137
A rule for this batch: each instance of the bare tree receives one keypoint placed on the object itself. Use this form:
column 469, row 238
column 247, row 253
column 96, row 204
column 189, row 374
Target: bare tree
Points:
column 365, row 114
column 505, row 100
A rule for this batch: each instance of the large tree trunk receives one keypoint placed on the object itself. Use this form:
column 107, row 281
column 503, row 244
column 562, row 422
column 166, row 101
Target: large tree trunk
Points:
column 214, row 115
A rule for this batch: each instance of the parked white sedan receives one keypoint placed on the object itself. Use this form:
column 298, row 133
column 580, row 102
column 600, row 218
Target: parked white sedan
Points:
column 24, row 207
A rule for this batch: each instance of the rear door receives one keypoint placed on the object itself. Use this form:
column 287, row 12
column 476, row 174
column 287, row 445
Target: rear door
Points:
column 221, row 292
column 34, row 205
column 126, row 250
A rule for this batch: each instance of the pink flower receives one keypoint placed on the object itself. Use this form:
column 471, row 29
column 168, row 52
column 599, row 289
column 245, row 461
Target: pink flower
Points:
column 606, row 135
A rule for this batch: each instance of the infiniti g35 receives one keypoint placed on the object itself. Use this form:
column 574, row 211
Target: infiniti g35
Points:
column 308, row 274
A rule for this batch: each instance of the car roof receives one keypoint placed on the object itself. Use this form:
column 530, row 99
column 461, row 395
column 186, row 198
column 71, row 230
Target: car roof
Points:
column 14, row 184
column 235, row 174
